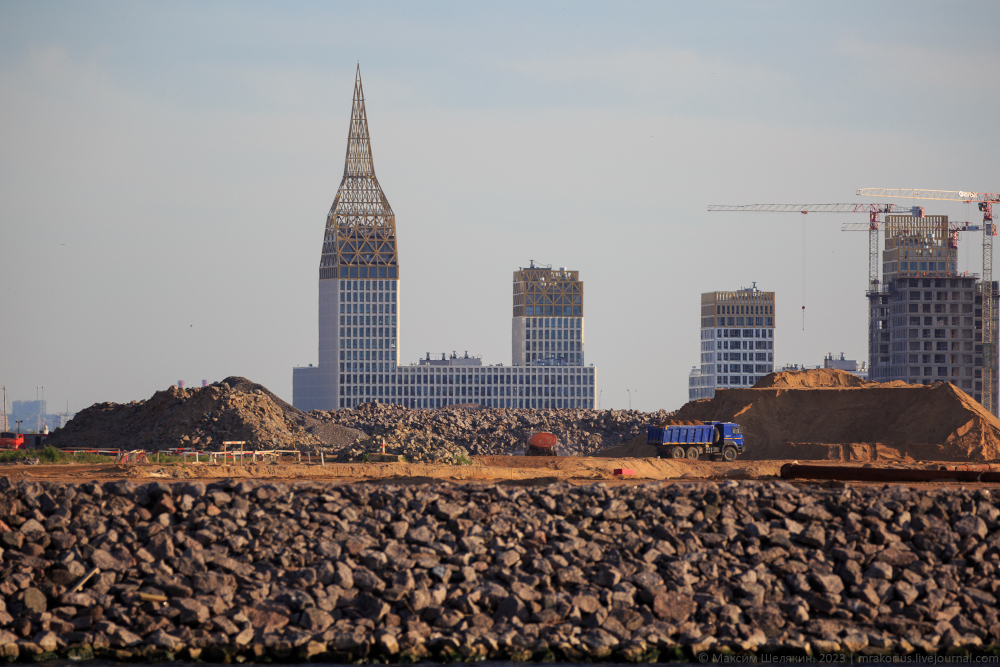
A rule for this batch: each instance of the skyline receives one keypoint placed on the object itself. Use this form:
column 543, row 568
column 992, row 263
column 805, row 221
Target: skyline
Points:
column 166, row 175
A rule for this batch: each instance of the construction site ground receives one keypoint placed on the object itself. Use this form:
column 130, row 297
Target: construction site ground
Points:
column 495, row 469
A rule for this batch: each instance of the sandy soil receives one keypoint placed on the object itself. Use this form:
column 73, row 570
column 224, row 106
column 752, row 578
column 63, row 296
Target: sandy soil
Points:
column 500, row 469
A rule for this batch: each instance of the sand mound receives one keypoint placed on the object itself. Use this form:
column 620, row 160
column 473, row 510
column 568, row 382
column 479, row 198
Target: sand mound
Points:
column 681, row 422
column 939, row 422
column 819, row 377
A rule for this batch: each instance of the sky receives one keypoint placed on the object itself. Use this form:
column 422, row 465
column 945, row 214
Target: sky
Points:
column 166, row 170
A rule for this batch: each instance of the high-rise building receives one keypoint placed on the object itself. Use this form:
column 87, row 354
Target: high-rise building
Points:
column 926, row 324
column 359, row 291
column 737, row 339
column 360, row 318
column 547, row 326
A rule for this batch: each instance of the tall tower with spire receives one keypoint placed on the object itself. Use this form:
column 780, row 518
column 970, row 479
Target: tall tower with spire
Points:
column 359, row 291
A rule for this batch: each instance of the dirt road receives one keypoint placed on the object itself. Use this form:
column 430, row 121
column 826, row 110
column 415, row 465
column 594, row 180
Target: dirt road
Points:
column 532, row 470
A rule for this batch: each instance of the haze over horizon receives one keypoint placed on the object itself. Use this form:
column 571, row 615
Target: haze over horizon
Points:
column 166, row 171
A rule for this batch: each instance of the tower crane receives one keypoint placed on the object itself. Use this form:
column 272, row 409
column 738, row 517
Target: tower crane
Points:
column 985, row 201
column 873, row 211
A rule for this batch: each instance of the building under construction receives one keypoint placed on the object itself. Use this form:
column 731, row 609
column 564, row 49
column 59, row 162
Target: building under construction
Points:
column 927, row 319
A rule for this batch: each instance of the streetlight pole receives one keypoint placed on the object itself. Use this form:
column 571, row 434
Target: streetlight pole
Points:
column 629, row 398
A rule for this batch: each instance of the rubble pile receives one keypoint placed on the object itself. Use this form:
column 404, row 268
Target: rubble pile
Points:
column 242, row 571
column 202, row 417
column 415, row 446
column 238, row 409
column 492, row 431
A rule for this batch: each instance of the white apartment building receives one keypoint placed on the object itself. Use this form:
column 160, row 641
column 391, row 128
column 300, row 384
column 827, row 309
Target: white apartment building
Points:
column 737, row 339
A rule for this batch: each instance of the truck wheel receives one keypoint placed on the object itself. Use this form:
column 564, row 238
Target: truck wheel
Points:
column 729, row 454
column 677, row 452
column 692, row 453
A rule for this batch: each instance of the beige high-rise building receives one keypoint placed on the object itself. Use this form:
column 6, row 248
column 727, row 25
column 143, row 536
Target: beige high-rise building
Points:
column 737, row 341
column 547, row 327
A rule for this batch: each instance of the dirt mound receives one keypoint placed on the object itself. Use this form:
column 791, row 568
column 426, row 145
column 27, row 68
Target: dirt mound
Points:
column 680, row 422
column 635, row 448
column 922, row 422
column 819, row 377
column 201, row 417
column 334, row 436
column 245, row 386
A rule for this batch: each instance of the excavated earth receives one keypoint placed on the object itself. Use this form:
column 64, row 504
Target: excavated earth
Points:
column 238, row 570
column 808, row 415
column 828, row 414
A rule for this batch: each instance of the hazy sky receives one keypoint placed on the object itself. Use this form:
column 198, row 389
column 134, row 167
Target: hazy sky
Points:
column 166, row 170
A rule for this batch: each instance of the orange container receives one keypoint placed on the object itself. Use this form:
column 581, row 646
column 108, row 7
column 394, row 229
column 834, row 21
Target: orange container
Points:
column 543, row 440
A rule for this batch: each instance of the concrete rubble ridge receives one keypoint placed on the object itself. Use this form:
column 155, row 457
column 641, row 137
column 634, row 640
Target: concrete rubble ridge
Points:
column 238, row 409
column 499, row 431
column 239, row 570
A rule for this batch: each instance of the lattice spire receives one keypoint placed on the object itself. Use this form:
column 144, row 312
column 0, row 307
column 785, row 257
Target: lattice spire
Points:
column 360, row 239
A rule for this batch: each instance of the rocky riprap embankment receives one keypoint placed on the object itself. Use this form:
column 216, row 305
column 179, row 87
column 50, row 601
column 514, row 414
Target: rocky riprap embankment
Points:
column 501, row 430
column 340, row 573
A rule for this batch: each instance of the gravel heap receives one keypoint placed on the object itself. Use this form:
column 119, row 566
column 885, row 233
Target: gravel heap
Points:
column 415, row 445
column 246, row 571
column 499, row 430
column 200, row 417
column 238, row 409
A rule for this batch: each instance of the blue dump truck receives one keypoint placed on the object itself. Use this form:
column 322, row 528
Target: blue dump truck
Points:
column 722, row 439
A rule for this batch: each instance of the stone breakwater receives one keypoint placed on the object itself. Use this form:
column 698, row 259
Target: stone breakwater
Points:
column 336, row 573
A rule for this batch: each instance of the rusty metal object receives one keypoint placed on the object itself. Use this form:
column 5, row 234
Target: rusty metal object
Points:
column 542, row 444
column 856, row 474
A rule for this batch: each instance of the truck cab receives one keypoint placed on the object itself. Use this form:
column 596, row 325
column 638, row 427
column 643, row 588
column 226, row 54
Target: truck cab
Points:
column 11, row 440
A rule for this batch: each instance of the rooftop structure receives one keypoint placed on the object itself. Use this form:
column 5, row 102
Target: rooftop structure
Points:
column 453, row 360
